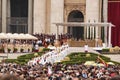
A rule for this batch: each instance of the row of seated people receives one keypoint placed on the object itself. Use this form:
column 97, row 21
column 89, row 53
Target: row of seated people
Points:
column 52, row 36
column 49, row 38
column 16, row 47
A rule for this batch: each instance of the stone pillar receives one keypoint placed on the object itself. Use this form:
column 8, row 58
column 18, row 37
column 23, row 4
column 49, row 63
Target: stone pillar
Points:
column 90, row 32
column 92, row 13
column 47, row 28
column 0, row 15
column 57, row 32
column 109, row 36
column 8, row 16
column 4, row 14
column 30, row 16
column 105, row 12
column 0, row 8
column 8, row 9
column 57, row 10
column 87, row 32
column 39, row 16
column 93, row 32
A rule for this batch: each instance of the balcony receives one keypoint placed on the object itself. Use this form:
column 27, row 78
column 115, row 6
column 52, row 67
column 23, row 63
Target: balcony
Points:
column 17, row 24
column 17, row 21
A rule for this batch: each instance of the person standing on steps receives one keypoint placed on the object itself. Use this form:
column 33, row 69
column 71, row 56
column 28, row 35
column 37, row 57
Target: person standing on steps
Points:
column 86, row 48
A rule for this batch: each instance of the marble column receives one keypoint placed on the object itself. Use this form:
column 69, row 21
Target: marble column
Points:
column 39, row 16
column 105, row 10
column 86, row 32
column 0, row 15
column 90, row 32
column 8, row 15
column 92, row 13
column 8, row 9
column 0, row 8
column 48, row 7
column 4, row 15
column 109, row 36
column 30, row 16
column 93, row 32
column 105, row 17
column 57, row 10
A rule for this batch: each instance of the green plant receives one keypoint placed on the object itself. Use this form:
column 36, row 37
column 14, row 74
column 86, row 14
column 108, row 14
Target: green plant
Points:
column 71, row 62
column 105, row 50
column 23, row 59
column 10, row 60
column 15, row 50
column 9, row 49
column 2, row 50
column 21, row 50
column 80, row 57
column 46, row 49
column 36, row 54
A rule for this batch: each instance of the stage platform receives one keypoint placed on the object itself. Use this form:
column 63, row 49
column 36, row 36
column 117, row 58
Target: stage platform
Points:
column 82, row 43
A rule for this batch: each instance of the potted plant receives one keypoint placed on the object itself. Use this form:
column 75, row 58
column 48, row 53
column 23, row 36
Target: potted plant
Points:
column 15, row 50
column 21, row 50
column 9, row 50
column 1, row 50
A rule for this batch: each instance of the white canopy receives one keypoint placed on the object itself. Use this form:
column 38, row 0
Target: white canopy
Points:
column 93, row 34
column 10, row 36
column 17, row 36
column 28, row 36
column 3, row 36
column 81, row 24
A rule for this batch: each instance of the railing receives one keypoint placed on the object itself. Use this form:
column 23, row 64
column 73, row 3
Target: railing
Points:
column 17, row 20
column 0, row 24
column 17, row 24
column 76, row 20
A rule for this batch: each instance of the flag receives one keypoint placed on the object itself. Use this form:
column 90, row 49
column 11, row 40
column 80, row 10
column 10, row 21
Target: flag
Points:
column 99, row 59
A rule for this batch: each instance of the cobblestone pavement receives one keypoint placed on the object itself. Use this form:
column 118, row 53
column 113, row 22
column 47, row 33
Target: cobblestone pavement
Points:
column 114, row 57
column 11, row 55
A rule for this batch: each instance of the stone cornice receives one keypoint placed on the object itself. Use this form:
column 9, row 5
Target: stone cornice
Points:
column 110, row 1
column 74, row 4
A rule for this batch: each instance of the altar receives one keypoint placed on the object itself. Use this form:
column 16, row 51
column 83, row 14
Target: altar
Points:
column 91, row 37
column 81, row 43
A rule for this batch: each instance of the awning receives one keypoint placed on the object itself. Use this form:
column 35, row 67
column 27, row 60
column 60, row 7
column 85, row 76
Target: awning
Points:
column 81, row 24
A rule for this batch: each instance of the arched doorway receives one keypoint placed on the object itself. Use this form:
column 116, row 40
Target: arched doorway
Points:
column 77, row 32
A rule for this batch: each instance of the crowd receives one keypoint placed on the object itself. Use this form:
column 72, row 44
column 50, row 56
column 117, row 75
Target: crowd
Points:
column 58, row 71
column 46, row 39
column 17, row 46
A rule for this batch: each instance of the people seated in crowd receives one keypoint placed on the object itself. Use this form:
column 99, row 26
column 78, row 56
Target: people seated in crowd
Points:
column 27, row 45
column 58, row 71
column 44, row 39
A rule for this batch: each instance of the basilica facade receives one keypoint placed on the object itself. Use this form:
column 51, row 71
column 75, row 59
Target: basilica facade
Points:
column 38, row 16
